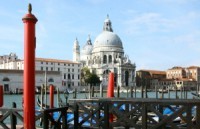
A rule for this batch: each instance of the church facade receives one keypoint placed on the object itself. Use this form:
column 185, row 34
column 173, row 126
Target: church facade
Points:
column 106, row 55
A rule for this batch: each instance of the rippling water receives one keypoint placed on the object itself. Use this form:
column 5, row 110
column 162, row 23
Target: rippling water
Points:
column 8, row 99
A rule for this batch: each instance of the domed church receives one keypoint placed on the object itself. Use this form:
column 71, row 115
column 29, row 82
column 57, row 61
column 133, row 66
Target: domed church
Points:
column 106, row 55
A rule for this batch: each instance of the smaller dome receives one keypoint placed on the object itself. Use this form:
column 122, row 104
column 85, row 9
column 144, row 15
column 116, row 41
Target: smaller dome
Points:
column 87, row 49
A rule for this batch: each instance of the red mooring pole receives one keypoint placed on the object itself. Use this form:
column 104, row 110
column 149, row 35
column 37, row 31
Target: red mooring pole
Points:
column 1, row 95
column 110, row 91
column 29, row 21
column 51, row 96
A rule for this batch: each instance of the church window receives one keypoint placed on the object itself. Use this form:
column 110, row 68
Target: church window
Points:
column 69, row 76
column 64, row 76
column 104, row 59
column 51, row 80
column 110, row 59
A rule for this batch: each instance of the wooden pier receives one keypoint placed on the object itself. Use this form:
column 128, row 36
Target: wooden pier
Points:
column 136, row 113
column 127, row 113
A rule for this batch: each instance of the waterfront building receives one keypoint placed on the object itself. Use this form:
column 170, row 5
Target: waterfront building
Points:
column 106, row 55
column 185, row 76
column 149, row 78
column 12, row 80
column 175, row 77
column 62, row 73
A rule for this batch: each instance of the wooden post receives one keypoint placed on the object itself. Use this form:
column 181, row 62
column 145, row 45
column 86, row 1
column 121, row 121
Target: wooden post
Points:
column 127, row 92
column 1, row 95
column 110, row 90
column 181, row 92
column 101, row 90
column 45, row 119
column 135, row 91
column 74, row 93
column 29, row 21
column 92, row 91
column 13, row 118
column 144, row 116
column 76, row 116
column 198, row 116
column 189, row 117
column 168, row 92
column 51, row 96
column 106, row 116
column 156, row 90
column 142, row 94
column 176, row 92
column 118, row 92
column 145, row 91
column 131, row 92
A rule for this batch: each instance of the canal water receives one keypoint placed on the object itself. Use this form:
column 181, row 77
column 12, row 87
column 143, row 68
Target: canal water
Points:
column 8, row 99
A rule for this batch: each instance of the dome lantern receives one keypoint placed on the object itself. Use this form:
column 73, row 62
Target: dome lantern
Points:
column 107, row 25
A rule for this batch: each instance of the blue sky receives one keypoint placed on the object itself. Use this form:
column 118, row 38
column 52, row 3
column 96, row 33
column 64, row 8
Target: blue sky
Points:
column 156, row 34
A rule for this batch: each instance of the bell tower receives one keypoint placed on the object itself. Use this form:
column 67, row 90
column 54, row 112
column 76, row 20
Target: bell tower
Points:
column 76, row 51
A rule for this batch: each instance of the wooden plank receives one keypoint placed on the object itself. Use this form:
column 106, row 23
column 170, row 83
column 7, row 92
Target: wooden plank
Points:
column 144, row 116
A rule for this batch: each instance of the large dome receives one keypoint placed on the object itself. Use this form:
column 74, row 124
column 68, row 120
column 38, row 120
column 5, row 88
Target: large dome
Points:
column 107, row 40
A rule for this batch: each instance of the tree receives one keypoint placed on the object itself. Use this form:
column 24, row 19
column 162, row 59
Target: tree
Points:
column 89, row 78
column 93, row 79
column 85, row 73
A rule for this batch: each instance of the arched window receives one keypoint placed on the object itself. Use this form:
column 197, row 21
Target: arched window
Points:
column 69, row 76
column 104, row 59
column 64, row 76
column 110, row 59
column 6, row 79
column 126, row 78
column 50, row 80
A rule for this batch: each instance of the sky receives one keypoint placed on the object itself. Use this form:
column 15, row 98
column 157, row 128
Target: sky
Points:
column 156, row 34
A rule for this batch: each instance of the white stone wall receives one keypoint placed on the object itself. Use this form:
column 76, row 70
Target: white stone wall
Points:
column 16, row 79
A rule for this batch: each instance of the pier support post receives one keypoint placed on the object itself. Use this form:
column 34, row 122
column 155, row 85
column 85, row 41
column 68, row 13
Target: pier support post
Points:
column 51, row 96
column 13, row 117
column 118, row 92
column 29, row 21
column 110, row 91
column 1, row 95
column 101, row 90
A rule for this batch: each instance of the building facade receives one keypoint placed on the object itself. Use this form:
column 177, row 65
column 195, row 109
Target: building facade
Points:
column 62, row 73
column 12, row 80
column 149, row 78
column 107, row 55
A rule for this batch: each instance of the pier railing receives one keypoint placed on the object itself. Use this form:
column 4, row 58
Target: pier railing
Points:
column 10, row 118
column 136, row 113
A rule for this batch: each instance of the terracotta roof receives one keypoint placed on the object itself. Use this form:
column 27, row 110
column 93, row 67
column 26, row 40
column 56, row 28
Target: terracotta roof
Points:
column 176, row 67
column 153, row 71
column 193, row 67
column 55, row 60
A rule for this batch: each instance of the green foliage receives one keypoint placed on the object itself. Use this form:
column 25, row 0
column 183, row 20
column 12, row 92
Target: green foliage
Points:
column 89, row 78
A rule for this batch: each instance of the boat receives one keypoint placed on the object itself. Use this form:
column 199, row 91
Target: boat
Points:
column 196, row 94
column 163, row 91
column 69, row 91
